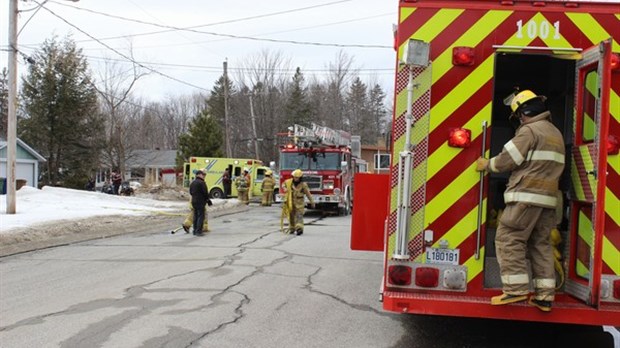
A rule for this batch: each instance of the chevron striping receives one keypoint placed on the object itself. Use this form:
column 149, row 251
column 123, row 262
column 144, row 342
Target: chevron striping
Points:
column 474, row 267
column 445, row 153
column 438, row 23
column 456, row 234
column 578, row 186
column 611, row 255
column 613, row 202
column 461, row 92
column 590, row 27
column 405, row 12
column 451, row 193
column 470, row 38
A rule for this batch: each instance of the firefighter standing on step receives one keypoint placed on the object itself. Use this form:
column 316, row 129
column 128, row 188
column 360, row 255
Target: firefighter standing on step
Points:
column 267, row 189
column 293, row 205
column 535, row 156
column 243, row 185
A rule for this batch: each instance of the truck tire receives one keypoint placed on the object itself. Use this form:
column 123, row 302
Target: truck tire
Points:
column 217, row 192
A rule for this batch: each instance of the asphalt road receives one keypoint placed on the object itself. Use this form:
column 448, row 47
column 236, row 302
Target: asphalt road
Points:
column 244, row 284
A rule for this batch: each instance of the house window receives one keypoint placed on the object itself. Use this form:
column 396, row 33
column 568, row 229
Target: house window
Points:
column 382, row 161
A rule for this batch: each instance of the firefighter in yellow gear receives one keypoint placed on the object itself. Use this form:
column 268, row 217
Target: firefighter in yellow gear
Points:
column 267, row 188
column 293, row 205
column 535, row 158
column 189, row 220
column 242, row 182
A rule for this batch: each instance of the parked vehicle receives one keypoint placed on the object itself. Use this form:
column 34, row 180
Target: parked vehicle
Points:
column 456, row 63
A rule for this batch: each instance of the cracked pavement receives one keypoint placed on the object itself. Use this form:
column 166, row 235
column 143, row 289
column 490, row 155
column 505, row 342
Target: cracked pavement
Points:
column 243, row 284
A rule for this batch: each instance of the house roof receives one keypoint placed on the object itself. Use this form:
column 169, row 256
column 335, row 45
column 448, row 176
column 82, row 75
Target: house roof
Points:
column 23, row 145
column 152, row 159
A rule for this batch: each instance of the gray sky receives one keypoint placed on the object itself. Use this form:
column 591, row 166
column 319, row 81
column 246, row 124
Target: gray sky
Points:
column 193, row 59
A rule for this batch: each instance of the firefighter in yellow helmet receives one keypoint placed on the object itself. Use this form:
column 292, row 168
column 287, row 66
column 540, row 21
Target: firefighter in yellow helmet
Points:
column 535, row 158
column 293, row 205
column 267, row 188
column 242, row 182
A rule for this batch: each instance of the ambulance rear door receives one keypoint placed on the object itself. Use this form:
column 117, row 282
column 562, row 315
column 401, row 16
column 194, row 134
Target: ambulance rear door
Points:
column 588, row 173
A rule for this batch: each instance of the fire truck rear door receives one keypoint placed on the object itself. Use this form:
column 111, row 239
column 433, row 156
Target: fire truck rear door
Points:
column 588, row 173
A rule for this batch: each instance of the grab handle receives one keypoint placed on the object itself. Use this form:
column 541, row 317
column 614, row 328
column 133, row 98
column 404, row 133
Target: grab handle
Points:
column 480, row 195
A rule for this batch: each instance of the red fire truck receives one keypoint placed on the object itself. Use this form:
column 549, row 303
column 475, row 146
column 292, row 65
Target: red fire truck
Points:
column 456, row 63
column 324, row 156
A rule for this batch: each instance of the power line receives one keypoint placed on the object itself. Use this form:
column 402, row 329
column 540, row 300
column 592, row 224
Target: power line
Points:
column 219, row 69
column 252, row 38
column 121, row 54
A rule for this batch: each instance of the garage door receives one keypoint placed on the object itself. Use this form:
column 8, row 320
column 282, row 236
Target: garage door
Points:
column 23, row 171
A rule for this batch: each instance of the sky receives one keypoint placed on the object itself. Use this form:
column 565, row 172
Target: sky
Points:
column 35, row 206
column 183, row 44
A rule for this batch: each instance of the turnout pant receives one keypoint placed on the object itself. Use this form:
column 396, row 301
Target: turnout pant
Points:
column 189, row 219
column 524, row 231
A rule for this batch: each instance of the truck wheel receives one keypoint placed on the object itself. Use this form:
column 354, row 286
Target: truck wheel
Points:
column 217, row 193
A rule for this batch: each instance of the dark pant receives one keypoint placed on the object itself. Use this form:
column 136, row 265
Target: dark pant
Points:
column 199, row 217
column 116, row 187
column 226, row 190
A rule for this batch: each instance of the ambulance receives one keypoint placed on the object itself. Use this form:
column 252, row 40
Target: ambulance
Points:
column 434, row 216
column 214, row 170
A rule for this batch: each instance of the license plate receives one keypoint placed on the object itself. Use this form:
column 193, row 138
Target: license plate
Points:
column 445, row 256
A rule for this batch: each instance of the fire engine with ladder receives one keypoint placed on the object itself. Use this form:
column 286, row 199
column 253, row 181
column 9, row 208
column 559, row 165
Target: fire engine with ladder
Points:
column 325, row 157
column 456, row 62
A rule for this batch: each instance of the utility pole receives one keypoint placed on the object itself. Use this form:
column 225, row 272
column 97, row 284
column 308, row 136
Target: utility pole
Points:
column 254, row 127
column 226, row 128
column 11, row 138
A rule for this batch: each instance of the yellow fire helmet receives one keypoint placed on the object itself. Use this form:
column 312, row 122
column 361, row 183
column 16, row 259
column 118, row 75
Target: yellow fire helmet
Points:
column 297, row 173
column 269, row 172
column 523, row 97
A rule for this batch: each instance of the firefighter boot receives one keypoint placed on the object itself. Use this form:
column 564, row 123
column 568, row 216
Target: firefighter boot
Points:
column 299, row 232
column 544, row 306
column 507, row 298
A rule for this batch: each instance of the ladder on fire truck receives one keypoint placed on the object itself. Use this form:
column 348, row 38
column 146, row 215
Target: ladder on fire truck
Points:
column 320, row 136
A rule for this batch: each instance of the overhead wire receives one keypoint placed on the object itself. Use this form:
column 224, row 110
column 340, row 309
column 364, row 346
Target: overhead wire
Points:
column 120, row 53
column 251, row 38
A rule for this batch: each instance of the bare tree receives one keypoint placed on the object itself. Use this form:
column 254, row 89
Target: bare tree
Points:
column 265, row 75
column 114, row 87
column 341, row 74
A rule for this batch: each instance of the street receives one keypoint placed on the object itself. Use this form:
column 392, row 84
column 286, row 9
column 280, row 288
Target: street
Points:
column 245, row 284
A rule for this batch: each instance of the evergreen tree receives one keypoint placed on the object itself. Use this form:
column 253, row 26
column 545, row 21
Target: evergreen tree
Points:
column 204, row 139
column 4, row 102
column 297, row 107
column 378, row 112
column 61, row 120
column 216, row 105
column 357, row 116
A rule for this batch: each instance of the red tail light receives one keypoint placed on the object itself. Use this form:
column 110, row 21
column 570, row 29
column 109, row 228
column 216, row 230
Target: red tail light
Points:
column 615, row 62
column 613, row 145
column 399, row 275
column 463, row 56
column 459, row 137
column 427, row 277
column 617, row 289
column 193, row 159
